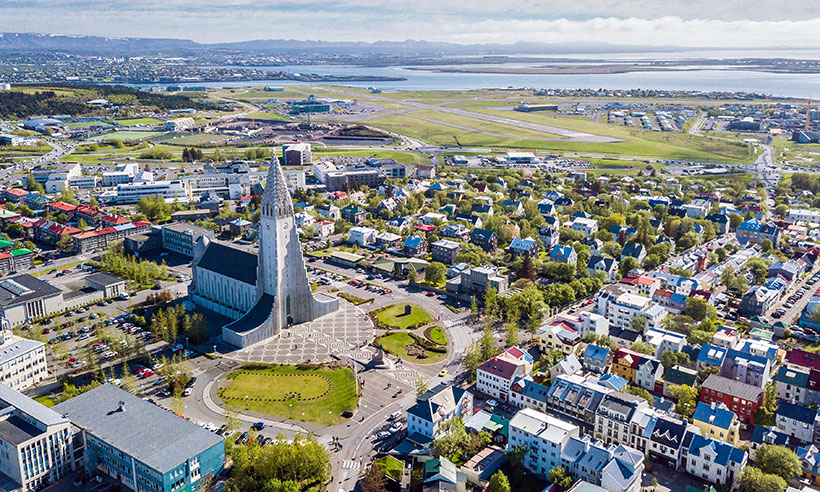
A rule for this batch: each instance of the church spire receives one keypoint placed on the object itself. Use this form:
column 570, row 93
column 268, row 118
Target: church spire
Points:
column 276, row 200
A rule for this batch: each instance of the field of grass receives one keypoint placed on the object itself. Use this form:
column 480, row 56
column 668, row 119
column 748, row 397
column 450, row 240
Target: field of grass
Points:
column 396, row 344
column 175, row 138
column 437, row 134
column 128, row 135
column 437, row 335
column 481, row 125
column 45, row 400
column 391, row 466
column 88, row 124
column 138, row 121
column 639, row 142
column 315, row 395
column 394, row 316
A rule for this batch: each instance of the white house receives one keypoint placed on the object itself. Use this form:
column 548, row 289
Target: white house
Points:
column 435, row 407
column 362, row 235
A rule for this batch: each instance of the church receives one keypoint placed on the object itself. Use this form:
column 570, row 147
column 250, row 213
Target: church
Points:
column 262, row 292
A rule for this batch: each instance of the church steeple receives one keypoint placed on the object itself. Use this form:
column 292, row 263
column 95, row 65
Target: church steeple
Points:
column 276, row 202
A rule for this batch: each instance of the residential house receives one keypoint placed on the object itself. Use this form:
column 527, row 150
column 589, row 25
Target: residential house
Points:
column 415, row 246
column 796, row 421
column 577, row 398
column 741, row 398
column 587, row 226
column 523, row 247
column 563, row 254
column 716, row 421
column 568, row 365
column 434, row 407
column 445, row 251
column 549, row 236
column 484, row 239
column 363, row 236
column 612, row 422
column 495, row 376
column 634, row 250
column 456, row 231
column 526, row 393
column 544, row 436
column 678, row 375
column 596, row 359
column 600, row 264
column 637, row 368
column 614, row 468
column 712, row 460
column 753, row 231
column 353, row 214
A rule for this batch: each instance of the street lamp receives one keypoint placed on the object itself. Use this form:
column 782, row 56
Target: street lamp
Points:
column 291, row 410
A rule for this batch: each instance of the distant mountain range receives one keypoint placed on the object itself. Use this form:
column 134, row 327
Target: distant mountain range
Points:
column 88, row 45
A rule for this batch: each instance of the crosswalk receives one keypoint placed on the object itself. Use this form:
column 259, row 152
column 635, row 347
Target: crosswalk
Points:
column 350, row 465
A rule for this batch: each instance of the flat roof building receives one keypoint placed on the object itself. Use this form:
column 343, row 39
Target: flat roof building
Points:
column 142, row 445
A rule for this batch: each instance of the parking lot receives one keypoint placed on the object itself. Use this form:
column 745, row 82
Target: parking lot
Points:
column 791, row 307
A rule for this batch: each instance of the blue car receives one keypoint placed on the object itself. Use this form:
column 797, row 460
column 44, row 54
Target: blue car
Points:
column 258, row 426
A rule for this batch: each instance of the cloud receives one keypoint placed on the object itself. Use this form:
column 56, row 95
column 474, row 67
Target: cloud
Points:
column 649, row 22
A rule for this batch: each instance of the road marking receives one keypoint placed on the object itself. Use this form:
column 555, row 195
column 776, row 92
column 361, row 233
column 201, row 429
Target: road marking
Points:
column 350, row 465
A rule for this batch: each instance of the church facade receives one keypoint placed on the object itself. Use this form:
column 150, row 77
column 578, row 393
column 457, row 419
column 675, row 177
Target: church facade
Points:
column 265, row 292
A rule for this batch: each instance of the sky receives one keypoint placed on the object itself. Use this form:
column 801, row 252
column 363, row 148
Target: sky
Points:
column 700, row 23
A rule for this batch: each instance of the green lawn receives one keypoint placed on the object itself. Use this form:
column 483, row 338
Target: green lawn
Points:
column 127, row 136
column 87, row 124
column 483, row 125
column 437, row 336
column 138, row 121
column 639, row 142
column 316, row 395
column 45, row 400
column 394, row 316
column 392, row 467
column 396, row 344
column 175, row 138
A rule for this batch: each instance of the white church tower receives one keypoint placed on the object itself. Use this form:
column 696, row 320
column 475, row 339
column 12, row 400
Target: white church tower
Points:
column 281, row 268
column 283, row 296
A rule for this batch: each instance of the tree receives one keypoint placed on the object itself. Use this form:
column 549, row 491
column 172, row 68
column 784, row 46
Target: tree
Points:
column 735, row 220
column 499, row 482
column 754, row 480
column 561, row 478
column 373, row 480
column 778, row 460
column 638, row 323
column 640, row 392
column 491, row 302
column 435, row 273
column 32, row 185
column 527, row 269
column 698, row 309
column 82, row 225
column 627, row 265
column 670, row 359
column 65, row 244
column 14, row 229
column 67, row 196
column 700, row 337
column 421, row 386
column 766, row 246
column 611, row 249
column 511, row 334
column 687, row 398
column 643, row 347
column 765, row 413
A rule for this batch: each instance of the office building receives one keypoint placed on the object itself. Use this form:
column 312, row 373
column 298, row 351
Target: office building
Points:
column 141, row 445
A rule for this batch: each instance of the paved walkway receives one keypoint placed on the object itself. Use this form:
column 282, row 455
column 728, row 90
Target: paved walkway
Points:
column 343, row 333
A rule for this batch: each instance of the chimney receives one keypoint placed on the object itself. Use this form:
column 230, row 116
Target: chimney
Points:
column 121, row 406
column 713, row 405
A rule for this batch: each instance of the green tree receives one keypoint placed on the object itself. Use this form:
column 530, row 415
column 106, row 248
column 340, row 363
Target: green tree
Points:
column 373, row 480
column 641, row 393
column 67, row 196
column 561, row 478
column 765, row 413
column 491, row 302
column 32, row 185
column 638, row 323
column 778, row 460
column 82, row 225
column 670, row 358
column 642, row 347
column 687, row 399
column 627, row 265
column 511, row 334
column 698, row 309
column 65, row 244
column 421, row 386
column 751, row 479
column 435, row 273
column 499, row 482
column 766, row 246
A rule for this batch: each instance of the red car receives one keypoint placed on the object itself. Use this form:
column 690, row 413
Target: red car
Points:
column 147, row 373
column 431, row 294
column 46, row 331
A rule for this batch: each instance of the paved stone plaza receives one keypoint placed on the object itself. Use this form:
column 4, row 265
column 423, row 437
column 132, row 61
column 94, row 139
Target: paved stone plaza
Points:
column 345, row 332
